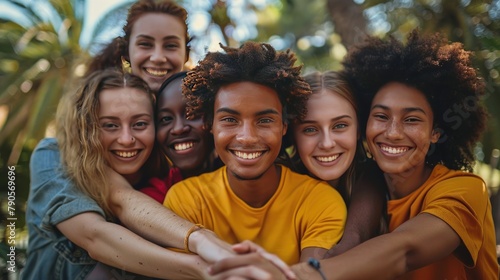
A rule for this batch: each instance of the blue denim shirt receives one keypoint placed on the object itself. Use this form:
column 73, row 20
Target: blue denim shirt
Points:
column 53, row 199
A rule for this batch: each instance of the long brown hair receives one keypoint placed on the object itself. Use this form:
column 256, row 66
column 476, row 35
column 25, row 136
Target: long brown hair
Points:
column 112, row 54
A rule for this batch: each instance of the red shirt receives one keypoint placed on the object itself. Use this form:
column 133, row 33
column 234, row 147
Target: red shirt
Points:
column 157, row 188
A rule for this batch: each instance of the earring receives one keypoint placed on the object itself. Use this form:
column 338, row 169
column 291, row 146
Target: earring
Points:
column 126, row 68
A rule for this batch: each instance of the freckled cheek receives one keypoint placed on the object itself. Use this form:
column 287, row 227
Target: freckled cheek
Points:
column 374, row 128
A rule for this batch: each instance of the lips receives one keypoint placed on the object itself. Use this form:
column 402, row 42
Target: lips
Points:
column 156, row 72
column 245, row 155
column 327, row 158
column 126, row 154
column 183, row 146
column 393, row 150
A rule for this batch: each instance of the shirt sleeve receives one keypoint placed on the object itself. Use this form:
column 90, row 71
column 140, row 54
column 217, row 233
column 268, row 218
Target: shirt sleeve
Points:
column 53, row 196
column 324, row 216
column 462, row 202
column 183, row 200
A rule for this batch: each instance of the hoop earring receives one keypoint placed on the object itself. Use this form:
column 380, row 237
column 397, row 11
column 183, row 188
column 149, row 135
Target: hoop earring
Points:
column 126, row 68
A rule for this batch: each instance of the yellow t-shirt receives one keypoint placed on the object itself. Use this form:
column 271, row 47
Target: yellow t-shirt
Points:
column 461, row 200
column 303, row 212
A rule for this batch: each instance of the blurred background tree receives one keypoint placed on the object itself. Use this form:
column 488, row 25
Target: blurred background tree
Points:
column 42, row 50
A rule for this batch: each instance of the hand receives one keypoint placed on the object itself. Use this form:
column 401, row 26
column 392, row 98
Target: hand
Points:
column 209, row 247
column 248, row 247
column 248, row 266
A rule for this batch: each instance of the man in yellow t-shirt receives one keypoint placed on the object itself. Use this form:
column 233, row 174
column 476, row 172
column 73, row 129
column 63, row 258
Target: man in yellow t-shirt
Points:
column 244, row 96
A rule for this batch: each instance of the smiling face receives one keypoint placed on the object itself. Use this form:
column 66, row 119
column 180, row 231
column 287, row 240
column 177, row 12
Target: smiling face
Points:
column 400, row 129
column 326, row 138
column 248, row 128
column 127, row 129
column 185, row 142
column 157, row 52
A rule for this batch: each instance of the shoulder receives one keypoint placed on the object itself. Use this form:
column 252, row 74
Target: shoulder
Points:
column 47, row 149
column 448, row 180
column 47, row 144
column 309, row 187
column 291, row 177
column 200, row 183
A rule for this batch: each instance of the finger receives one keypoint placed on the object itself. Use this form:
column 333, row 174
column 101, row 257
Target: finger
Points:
column 247, row 246
column 244, row 272
column 280, row 264
column 234, row 262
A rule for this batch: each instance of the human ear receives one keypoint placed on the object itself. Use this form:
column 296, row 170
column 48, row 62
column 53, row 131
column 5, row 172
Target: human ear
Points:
column 435, row 134
column 285, row 128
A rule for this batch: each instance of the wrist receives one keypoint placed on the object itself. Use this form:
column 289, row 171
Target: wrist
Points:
column 316, row 265
column 199, row 237
column 192, row 238
column 304, row 271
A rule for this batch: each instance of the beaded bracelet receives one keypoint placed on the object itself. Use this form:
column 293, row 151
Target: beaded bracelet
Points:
column 186, row 238
column 314, row 263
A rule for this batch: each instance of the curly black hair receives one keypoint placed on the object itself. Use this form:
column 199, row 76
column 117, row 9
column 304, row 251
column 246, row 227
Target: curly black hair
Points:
column 253, row 62
column 442, row 71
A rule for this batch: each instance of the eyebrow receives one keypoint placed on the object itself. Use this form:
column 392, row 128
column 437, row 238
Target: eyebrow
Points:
column 170, row 37
column 234, row 112
column 406, row 110
column 133, row 117
column 332, row 119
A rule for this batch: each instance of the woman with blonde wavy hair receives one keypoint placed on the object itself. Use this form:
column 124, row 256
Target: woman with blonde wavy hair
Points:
column 83, row 132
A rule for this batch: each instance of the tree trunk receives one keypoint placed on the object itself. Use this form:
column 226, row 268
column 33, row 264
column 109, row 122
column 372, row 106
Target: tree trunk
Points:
column 349, row 21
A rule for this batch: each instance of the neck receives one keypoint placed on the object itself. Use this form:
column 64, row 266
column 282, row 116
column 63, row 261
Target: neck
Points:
column 133, row 179
column 256, row 192
column 190, row 173
column 402, row 184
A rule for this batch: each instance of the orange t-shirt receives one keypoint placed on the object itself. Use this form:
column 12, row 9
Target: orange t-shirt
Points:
column 461, row 200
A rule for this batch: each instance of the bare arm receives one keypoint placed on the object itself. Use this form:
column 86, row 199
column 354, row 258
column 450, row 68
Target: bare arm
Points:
column 312, row 252
column 418, row 242
column 153, row 221
column 116, row 246
column 365, row 210
column 421, row 241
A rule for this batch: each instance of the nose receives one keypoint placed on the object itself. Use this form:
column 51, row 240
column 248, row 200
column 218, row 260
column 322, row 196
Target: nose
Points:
column 180, row 126
column 394, row 130
column 158, row 55
column 327, row 141
column 247, row 134
column 126, row 137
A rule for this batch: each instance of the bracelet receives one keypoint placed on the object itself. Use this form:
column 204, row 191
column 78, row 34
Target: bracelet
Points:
column 186, row 238
column 314, row 263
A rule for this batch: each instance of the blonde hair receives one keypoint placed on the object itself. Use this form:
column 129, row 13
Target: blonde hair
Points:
column 336, row 83
column 78, row 131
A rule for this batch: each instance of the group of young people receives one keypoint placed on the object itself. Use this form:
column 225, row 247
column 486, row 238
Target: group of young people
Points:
column 262, row 172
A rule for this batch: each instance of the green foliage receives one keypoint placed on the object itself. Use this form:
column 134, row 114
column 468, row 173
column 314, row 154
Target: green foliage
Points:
column 41, row 52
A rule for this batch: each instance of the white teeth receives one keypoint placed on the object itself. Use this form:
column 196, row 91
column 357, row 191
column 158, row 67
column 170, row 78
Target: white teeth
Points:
column 327, row 159
column 126, row 154
column 247, row 155
column 183, row 146
column 392, row 150
column 155, row 72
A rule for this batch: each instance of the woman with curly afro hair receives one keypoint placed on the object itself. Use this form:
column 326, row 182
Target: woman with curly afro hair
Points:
column 423, row 114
